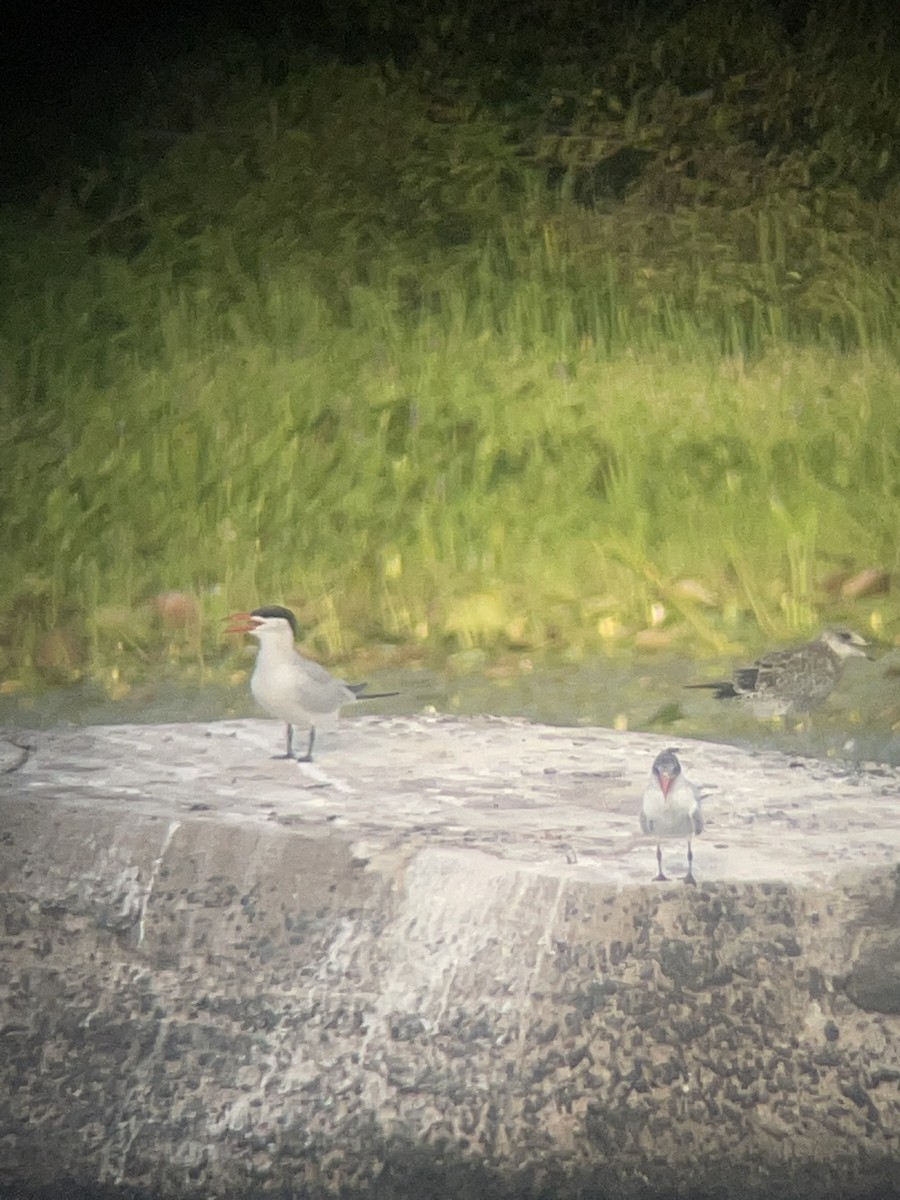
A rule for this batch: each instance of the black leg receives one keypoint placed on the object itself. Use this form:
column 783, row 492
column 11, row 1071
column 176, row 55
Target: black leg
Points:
column 689, row 878
column 660, row 878
column 307, row 757
column 290, row 744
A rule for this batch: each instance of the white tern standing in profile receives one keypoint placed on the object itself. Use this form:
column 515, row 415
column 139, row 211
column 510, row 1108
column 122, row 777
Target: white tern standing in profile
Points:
column 289, row 686
column 795, row 680
column 670, row 807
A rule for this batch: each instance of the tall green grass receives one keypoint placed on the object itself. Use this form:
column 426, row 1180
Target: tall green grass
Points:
column 458, row 486
column 439, row 407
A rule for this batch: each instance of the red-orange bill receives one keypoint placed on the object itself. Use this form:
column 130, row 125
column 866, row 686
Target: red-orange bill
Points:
column 241, row 622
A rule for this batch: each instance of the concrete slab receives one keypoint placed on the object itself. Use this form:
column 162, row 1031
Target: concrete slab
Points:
column 435, row 959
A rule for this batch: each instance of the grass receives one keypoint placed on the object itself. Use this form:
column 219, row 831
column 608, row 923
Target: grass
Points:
column 445, row 487
column 561, row 430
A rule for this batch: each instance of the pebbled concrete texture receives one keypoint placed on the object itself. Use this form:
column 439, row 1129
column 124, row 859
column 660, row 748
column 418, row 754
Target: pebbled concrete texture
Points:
column 434, row 963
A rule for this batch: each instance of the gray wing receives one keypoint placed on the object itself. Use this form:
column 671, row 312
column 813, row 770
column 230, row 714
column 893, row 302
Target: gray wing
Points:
column 320, row 691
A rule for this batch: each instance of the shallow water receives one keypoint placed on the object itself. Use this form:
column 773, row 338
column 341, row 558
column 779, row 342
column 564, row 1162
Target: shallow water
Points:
column 860, row 721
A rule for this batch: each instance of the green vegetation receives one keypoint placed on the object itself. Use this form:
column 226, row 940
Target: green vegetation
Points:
column 444, row 358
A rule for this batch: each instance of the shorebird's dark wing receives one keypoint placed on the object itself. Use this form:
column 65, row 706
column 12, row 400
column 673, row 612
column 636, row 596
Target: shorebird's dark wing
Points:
column 724, row 689
column 748, row 679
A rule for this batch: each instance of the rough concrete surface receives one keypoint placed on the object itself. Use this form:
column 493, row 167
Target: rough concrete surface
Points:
column 434, row 963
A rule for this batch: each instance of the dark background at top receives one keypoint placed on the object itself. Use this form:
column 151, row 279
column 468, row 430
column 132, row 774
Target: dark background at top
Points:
column 69, row 72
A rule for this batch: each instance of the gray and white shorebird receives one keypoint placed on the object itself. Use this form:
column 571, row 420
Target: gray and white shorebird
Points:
column 671, row 808
column 289, row 686
column 795, row 680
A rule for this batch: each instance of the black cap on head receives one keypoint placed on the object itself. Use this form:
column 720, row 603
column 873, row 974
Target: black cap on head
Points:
column 276, row 610
column 667, row 763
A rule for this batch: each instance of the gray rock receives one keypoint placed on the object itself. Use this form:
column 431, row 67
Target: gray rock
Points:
column 434, row 963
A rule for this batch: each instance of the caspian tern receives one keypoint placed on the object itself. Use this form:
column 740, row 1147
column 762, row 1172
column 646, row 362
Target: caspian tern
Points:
column 792, row 681
column 670, row 807
column 289, row 686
